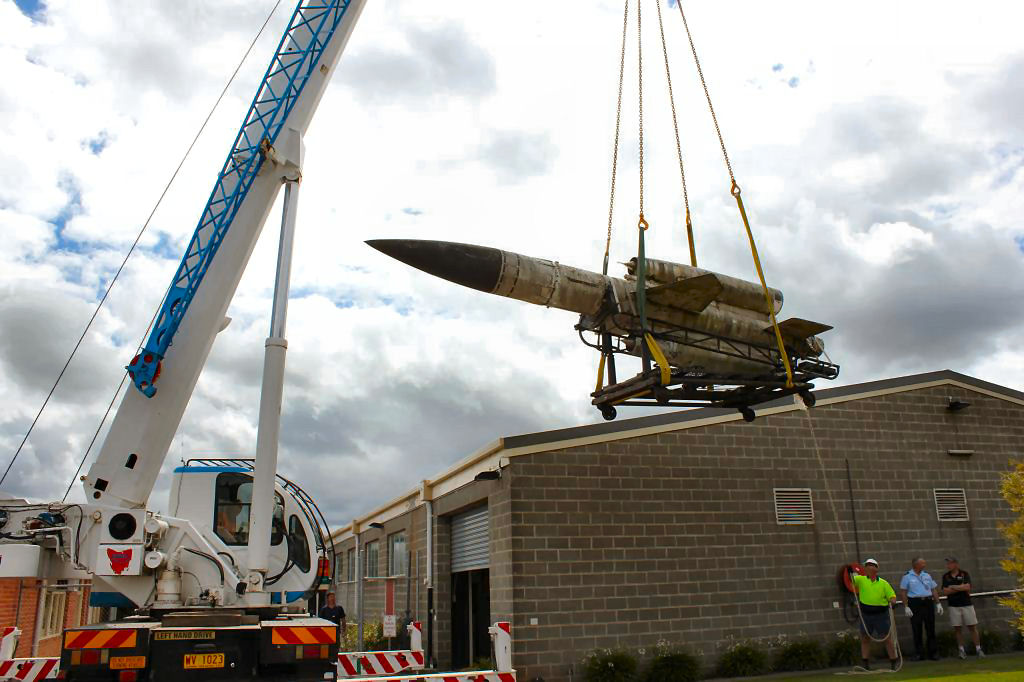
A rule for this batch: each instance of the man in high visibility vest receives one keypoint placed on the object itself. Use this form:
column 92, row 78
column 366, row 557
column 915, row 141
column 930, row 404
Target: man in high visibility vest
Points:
column 876, row 598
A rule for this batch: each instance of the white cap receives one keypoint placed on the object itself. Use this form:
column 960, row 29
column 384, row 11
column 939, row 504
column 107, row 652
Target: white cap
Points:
column 871, row 561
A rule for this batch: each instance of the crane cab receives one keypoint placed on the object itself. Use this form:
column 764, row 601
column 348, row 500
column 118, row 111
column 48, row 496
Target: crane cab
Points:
column 216, row 496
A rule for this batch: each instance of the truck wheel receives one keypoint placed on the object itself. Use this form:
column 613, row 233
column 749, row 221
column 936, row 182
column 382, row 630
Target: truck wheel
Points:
column 748, row 414
column 609, row 413
column 808, row 398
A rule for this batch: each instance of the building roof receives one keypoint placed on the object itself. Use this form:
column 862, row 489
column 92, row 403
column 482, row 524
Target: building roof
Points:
column 498, row 452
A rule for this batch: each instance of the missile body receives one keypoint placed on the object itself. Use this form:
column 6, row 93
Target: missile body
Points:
column 678, row 297
column 735, row 292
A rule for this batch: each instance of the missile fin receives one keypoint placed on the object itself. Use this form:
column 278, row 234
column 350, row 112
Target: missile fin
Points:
column 692, row 294
column 799, row 329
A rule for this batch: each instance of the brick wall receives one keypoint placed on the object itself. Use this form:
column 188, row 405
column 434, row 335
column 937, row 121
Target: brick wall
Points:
column 443, row 592
column 501, row 578
column 18, row 607
column 673, row 536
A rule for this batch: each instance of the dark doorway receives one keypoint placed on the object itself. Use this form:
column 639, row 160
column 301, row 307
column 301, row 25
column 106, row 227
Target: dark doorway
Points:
column 471, row 616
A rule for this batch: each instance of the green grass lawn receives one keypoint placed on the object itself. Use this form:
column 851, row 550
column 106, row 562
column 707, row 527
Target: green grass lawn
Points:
column 998, row 668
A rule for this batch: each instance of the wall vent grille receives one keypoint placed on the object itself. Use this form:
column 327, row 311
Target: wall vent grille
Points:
column 793, row 506
column 951, row 504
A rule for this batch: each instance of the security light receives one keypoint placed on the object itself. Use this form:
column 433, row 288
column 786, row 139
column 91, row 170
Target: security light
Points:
column 955, row 405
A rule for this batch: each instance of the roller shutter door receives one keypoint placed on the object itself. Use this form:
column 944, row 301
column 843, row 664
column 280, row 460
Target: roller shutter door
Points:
column 471, row 540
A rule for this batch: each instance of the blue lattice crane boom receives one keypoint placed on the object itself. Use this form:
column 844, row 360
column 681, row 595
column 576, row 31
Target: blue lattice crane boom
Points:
column 266, row 152
column 311, row 30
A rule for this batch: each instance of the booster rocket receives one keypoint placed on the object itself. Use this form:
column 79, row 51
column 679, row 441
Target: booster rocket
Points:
column 706, row 323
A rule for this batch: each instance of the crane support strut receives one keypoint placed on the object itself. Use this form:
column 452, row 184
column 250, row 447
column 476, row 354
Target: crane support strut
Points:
column 265, row 469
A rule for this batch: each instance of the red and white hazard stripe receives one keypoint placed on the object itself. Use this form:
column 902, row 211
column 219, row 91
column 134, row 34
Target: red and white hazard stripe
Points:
column 8, row 641
column 385, row 662
column 29, row 669
column 501, row 634
column 379, row 662
column 445, row 677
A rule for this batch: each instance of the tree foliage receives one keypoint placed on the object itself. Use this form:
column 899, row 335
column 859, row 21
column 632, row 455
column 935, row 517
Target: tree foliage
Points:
column 1012, row 489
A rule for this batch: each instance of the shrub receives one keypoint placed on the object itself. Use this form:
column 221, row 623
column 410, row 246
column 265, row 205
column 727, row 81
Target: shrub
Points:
column 373, row 637
column 946, row 640
column 803, row 654
column 741, row 660
column 479, row 664
column 844, row 650
column 992, row 641
column 609, row 665
column 1018, row 640
column 672, row 666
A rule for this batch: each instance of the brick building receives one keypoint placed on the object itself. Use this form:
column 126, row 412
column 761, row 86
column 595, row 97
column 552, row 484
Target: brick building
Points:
column 694, row 526
column 42, row 610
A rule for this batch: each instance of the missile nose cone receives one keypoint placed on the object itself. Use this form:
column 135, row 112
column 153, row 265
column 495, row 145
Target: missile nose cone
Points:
column 477, row 267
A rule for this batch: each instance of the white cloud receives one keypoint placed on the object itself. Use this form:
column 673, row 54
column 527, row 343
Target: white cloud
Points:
column 887, row 243
column 885, row 191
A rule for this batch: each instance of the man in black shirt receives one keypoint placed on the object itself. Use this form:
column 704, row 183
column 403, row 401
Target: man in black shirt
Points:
column 956, row 585
column 335, row 614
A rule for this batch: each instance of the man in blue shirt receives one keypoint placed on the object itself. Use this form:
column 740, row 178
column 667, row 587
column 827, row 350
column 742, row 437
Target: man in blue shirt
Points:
column 920, row 596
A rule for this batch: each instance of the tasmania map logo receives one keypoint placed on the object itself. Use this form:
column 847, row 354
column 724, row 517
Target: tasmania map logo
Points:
column 119, row 560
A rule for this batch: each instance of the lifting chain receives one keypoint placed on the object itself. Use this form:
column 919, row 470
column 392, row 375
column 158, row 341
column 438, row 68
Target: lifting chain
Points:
column 734, row 190
column 679, row 149
column 615, row 148
column 640, row 97
column 707, row 95
column 649, row 346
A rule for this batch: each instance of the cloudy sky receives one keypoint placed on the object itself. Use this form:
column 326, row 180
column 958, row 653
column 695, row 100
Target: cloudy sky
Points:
column 879, row 151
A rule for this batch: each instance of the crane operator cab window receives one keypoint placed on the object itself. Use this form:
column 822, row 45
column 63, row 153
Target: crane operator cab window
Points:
column 298, row 545
column 232, row 508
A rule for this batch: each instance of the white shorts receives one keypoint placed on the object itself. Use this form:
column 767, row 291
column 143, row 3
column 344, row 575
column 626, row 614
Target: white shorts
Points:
column 962, row 615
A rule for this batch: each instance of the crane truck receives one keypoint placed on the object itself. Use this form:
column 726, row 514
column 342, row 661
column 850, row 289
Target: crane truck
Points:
column 218, row 584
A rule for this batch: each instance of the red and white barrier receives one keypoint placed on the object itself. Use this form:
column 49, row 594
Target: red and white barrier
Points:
column 385, row 662
column 483, row 676
column 29, row 669
column 379, row 663
column 23, row 669
column 8, row 642
column 501, row 635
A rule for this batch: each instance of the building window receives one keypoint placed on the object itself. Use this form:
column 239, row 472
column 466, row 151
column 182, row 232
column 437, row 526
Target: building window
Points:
column 793, row 506
column 951, row 504
column 398, row 554
column 372, row 559
column 351, row 559
column 54, row 603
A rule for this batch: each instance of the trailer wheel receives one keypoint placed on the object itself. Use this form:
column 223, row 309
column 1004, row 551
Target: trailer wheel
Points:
column 608, row 412
column 748, row 414
column 808, row 398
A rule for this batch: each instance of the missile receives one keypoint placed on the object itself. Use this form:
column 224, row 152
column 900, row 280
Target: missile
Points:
column 705, row 322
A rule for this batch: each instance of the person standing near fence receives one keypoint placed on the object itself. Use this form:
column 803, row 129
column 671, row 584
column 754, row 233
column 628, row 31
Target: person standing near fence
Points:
column 875, row 596
column 956, row 585
column 335, row 614
column 920, row 596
